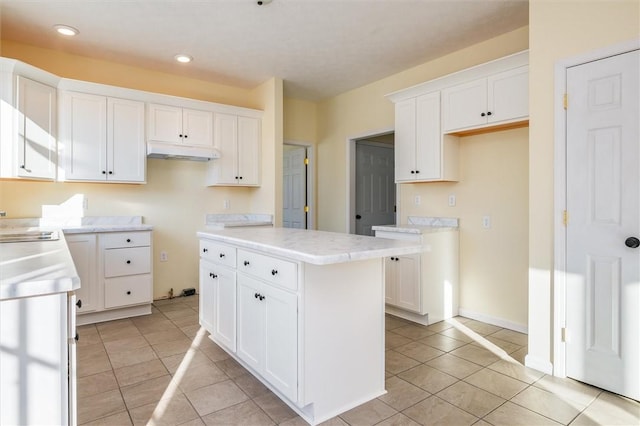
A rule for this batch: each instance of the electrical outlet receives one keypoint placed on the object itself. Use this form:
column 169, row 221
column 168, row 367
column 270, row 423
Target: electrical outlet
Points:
column 164, row 256
column 486, row 222
column 452, row 200
column 417, row 200
column 226, row 204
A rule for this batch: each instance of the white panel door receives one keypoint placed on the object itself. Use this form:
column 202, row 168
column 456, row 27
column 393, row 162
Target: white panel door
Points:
column 207, row 299
column 83, row 251
column 251, row 324
column 375, row 187
column 224, row 329
column 294, row 182
column 85, row 136
column 36, row 129
column 126, row 150
column 408, row 282
column 603, row 191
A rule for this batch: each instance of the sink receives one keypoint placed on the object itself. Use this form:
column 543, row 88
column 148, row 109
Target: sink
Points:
column 29, row 236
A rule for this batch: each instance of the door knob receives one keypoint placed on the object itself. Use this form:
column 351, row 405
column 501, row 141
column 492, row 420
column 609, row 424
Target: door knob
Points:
column 358, row 216
column 632, row 242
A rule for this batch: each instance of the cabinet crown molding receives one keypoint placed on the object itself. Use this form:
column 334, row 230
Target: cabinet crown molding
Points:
column 478, row 71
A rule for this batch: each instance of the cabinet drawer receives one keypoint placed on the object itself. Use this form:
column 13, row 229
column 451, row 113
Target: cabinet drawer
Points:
column 221, row 254
column 125, row 239
column 125, row 291
column 270, row 269
column 127, row 261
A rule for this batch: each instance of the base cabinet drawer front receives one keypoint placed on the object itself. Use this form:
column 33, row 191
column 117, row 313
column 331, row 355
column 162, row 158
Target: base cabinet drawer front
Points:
column 130, row 290
column 218, row 253
column 273, row 270
column 125, row 239
column 127, row 261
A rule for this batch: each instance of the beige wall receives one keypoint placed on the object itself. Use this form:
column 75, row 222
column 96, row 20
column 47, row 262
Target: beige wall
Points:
column 175, row 198
column 493, row 266
column 559, row 29
column 493, row 181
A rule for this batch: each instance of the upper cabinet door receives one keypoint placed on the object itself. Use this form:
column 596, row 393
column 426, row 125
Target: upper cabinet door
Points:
column 84, row 136
column 405, row 140
column 164, row 124
column 508, row 95
column 428, row 151
column 465, row 105
column 249, row 151
column 126, row 150
column 197, row 128
column 36, row 130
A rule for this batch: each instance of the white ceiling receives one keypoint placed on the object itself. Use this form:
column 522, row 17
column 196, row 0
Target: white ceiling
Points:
column 320, row 48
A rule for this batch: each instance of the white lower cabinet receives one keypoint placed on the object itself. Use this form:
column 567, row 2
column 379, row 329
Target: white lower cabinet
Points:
column 37, row 360
column 423, row 287
column 402, row 281
column 218, row 302
column 267, row 333
column 116, row 273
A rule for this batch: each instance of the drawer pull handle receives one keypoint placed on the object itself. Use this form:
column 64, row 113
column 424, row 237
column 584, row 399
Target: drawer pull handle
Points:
column 204, row 250
column 222, row 255
column 258, row 296
column 129, row 292
column 128, row 240
column 128, row 262
column 274, row 272
column 79, row 303
column 246, row 263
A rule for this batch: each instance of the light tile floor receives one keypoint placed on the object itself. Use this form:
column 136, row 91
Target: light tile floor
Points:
column 162, row 369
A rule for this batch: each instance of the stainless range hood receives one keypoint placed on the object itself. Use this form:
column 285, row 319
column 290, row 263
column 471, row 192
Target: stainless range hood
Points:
column 180, row 152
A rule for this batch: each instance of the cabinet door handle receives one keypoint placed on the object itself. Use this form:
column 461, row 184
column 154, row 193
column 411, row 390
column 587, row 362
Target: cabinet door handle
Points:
column 256, row 295
column 417, row 171
column 77, row 336
column 128, row 240
column 482, row 114
column 128, row 262
column 104, row 172
column 261, row 297
column 110, row 172
column 274, row 272
column 240, row 177
column 212, row 275
column 180, row 135
column 186, row 136
column 413, row 172
column 222, row 255
column 204, row 250
column 489, row 113
column 79, row 303
column 128, row 291
column 246, row 263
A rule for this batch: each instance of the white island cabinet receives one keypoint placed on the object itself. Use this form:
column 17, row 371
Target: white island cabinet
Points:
column 302, row 310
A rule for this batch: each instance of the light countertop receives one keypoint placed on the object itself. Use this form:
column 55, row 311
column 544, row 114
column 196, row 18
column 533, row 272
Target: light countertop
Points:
column 221, row 221
column 83, row 225
column 315, row 247
column 421, row 225
column 36, row 268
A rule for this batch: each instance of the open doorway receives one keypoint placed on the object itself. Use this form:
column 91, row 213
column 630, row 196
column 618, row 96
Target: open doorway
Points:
column 297, row 181
column 372, row 188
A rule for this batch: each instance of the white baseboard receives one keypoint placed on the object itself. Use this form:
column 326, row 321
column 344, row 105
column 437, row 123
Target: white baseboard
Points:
column 541, row 365
column 521, row 328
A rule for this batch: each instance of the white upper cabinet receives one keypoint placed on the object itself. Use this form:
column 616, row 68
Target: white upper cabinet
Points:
column 27, row 122
column 102, row 138
column 419, row 143
column 179, row 126
column 238, row 140
column 500, row 98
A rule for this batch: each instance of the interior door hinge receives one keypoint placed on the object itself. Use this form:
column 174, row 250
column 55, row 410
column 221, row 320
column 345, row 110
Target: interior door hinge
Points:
column 565, row 217
column 306, row 209
column 306, row 161
column 564, row 334
column 565, row 101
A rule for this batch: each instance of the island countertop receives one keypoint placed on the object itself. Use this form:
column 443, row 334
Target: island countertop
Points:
column 36, row 268
column 315, row 247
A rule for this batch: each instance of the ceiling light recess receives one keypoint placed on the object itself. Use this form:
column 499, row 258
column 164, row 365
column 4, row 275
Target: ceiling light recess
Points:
column 65, row 30
column 185, row 59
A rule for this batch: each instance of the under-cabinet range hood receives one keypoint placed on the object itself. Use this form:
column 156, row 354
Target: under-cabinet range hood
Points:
column 179, row 152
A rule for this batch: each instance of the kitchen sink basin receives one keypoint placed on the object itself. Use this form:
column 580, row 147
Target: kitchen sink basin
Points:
column 29, row 236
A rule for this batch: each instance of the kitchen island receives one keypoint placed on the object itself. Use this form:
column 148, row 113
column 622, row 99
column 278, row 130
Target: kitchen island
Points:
column 302, row 310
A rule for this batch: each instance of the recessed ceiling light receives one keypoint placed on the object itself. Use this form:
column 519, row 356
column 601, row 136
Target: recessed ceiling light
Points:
column 66, row 30
column 183, row 58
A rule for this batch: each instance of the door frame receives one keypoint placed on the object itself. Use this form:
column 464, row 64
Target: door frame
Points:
column 311, row 183
column 350, row 213
column 559, row 356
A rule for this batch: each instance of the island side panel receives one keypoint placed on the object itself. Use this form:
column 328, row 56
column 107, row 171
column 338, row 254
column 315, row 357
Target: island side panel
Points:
column 343, row 336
